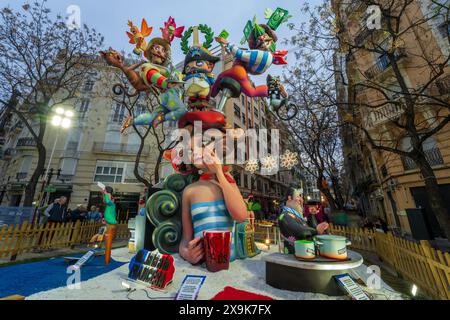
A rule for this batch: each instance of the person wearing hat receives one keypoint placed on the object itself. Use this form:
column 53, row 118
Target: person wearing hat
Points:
column 255, row 61
column 198, row 66
column 157, row 73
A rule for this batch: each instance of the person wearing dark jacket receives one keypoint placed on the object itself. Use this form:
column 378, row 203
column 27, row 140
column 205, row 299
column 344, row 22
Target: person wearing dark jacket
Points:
column 57, row 212
column 79, row 214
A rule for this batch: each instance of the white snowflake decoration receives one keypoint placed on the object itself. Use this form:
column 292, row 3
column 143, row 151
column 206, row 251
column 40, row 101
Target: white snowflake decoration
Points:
column 289, row 160
column 269, row 163
column 252, row 166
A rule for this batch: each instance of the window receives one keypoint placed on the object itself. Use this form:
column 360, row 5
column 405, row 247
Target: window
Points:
column 139, row 109
column 444, row 29
column 89, row 85
column 26, row 164
column 84, row 108
column 68, row 166
column 118, row 113
column 256, row 111
column 243, row 100
column 237, row 110
column 244, row 119
column 73, row 140
column 116, row 172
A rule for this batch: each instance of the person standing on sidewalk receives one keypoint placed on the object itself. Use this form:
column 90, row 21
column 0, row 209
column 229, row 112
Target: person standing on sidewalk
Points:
column 111, row 222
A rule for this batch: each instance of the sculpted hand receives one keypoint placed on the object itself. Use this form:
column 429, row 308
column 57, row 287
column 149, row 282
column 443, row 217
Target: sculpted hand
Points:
column 222, row 41
column 322, row 228
column 211, row 161
column 195, row 251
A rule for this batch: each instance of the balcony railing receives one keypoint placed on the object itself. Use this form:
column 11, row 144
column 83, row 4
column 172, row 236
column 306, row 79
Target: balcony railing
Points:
column 21, row 175
column 354, row 6
column 383, row 63
column 384, row 114
column 119, row 148
column 433, row 156
column 9, row 153
column 65, row 177
column 26, row 142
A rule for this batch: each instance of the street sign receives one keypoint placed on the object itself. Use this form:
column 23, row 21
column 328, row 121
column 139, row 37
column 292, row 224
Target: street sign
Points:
column 50, row 189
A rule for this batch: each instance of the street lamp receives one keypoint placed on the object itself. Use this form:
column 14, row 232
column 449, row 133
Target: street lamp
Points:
column 62, row 118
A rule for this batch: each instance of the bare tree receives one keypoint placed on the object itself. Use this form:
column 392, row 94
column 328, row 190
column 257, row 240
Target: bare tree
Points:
column 316, row 130
column 399, row 34
column 43, row 63
column 150, row 138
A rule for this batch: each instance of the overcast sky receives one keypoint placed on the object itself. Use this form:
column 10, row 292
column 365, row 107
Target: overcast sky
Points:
column 110, row 17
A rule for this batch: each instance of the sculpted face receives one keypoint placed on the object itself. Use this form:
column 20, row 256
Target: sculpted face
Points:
column 199, row 66
column 158, row 54
column 264, row 42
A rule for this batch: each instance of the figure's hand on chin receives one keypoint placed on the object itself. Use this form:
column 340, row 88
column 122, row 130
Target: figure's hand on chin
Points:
column 195, row 251
column 212, row 162
column 322, row 228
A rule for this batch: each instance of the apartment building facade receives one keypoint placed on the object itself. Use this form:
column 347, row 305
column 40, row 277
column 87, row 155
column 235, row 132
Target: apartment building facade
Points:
column 388, row 185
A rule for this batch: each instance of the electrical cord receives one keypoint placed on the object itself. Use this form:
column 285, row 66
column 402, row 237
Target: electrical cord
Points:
column 148, row 296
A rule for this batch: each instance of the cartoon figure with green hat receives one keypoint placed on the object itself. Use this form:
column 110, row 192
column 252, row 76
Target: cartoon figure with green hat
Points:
column 262, row 54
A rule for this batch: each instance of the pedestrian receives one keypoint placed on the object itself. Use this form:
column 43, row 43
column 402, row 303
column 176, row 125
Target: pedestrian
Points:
column 79, row 214
column 94, row 214
column 56, row 214
column 57, row 211
column 111, row 222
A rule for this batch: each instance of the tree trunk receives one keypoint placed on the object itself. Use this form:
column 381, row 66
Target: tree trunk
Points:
column 157, row 165
column 136, row 166
column 30, row 189
column 434, row 194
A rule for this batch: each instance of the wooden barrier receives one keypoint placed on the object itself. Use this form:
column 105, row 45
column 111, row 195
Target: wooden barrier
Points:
column 418, row 262
column 263, row 233
column 25, row 238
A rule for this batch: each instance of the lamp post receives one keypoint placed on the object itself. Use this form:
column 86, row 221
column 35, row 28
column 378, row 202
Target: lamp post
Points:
column 62, row 119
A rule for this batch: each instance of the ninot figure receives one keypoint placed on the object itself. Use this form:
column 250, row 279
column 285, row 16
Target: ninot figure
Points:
column 198, row 66
column 159, row 73
column 261, row 39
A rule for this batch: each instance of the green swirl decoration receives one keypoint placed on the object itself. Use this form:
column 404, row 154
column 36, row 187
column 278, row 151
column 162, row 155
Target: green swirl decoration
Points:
column 161, row 206
column 167, row 237
column 175, row 182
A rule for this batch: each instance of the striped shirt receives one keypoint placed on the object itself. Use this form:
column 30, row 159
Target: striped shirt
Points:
column 212, row 216
column 257, row 61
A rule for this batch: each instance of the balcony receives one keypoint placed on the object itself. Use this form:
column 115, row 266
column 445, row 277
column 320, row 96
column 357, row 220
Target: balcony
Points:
column 118, row 148
column 26, row 143
column 354, row 6
column 433, row 156
column 65, row 178
column 383, row 115
column 362, row 35
column 383, row 63
column 9, row 153
column 21, row 176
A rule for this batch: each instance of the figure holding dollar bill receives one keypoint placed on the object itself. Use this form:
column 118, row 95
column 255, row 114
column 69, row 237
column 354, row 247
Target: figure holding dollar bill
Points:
column 110, row 218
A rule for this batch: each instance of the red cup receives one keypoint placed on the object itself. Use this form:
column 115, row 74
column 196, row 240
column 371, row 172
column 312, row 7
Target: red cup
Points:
column 217, row 250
